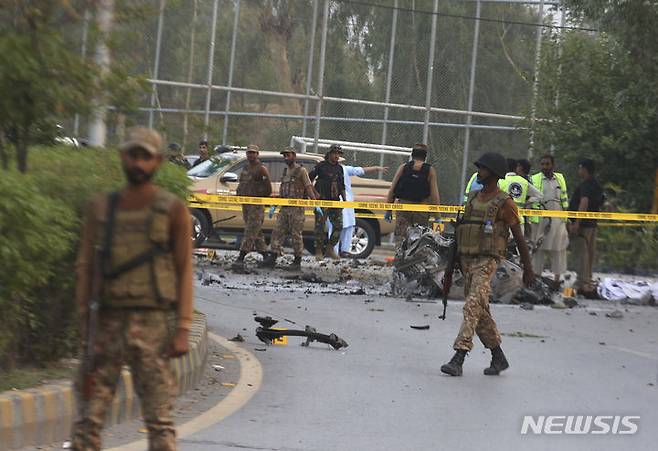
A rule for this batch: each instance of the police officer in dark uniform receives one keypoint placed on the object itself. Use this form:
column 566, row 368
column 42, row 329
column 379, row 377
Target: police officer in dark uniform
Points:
column 415, row 182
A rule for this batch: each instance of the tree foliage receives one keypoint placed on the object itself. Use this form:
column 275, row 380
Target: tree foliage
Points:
column 607, row 88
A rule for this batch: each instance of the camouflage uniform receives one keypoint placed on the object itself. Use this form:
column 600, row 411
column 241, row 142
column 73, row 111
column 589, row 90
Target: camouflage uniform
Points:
column 478, row 272
column 137, row 338
column 290, row 220
column 406, row 219
column 134, row 322
column 254, row 181
column 335, row 215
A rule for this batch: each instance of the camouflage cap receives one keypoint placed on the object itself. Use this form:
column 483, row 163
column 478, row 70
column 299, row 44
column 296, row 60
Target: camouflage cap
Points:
column 288, row 150
column 253, row 148
column 145, row 138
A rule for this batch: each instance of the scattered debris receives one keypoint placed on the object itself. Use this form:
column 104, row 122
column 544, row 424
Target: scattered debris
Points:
column 268, row 335
column 228, row 356
column 368, row 301
column 617, row 314
column 218, row 367
column 228, row 384
column 376, row 310
column 142, row 430
column 67, row 444
column 593, row 314
column 520, row 334
column 425, row 327
column 602, row 343
column 260, row 349
column 570, row 302
column 558, row 305
column 239, row 338
column 527, row 306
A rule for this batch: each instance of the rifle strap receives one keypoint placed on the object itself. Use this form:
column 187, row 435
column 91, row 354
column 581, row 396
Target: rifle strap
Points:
column 106, row 258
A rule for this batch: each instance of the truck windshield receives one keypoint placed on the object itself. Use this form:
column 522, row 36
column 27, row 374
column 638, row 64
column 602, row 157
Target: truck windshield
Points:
column 213, row 166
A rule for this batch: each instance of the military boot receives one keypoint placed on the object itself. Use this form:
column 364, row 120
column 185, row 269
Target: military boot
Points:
column 332, row 254
column 498, row 362
column 296, row 264
column 454, row 366
column 269, row 260
column 238, row 264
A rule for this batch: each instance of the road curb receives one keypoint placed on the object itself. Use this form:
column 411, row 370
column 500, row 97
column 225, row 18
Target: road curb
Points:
column 43, row 415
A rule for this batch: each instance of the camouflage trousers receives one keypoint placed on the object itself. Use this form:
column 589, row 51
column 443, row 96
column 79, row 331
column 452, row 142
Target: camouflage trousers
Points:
column 289, row 221
column 335, row 215
column 253, row 239
column 478, row 272
column 137, row 338
column 406, row 219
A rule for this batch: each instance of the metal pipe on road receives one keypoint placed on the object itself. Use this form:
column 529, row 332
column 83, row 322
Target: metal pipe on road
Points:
column 430, row 73
column 231, row 66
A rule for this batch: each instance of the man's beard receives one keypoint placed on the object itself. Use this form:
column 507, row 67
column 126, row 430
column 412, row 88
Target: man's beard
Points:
column 136, row 176
column 482, row 181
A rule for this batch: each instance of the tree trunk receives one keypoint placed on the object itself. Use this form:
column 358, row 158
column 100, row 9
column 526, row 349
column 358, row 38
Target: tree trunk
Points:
column 121, row 127
column 278, row 46
column 4, row 155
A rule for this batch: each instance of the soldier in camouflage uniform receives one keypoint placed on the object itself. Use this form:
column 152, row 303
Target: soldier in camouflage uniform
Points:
column 295, row 184
column 482, row 236
column 142, row 277
column 330, row 185
column 254, row 181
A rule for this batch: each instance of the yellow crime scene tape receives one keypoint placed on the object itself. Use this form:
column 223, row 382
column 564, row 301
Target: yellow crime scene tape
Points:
column 218, row 202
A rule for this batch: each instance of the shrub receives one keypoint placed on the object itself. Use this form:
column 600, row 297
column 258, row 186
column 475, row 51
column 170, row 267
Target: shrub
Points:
column 40, row 217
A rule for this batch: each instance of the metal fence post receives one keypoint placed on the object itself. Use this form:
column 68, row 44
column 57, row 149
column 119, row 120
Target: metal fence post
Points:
column 156, row 63
column 535, row 82
column 211, row 66
column 83, row 53
column 309, row 70
column 430, row 73
column 559, row 68
column 231, row 66
column 98, row 127
column 389, row 76
column 471, row 91
column 323, row 48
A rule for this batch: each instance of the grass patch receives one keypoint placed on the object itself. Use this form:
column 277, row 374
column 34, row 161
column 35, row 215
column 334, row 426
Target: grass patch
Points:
column 520, row 334
column 32, row 377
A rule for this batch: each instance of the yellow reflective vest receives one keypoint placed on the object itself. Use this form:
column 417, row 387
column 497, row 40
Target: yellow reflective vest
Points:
column 517, row 187
column 538, row 182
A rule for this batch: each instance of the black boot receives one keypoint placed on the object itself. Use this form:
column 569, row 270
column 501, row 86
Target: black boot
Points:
column 269, row 260
column 296, row 264
column 454, row 366
column 238, row 264
column 498, row 362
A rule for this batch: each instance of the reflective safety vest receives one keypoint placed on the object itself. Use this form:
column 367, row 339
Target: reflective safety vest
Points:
column 139, row 268
column 472, row 185
column 481, row 232
column 517, row 187
column 538, row 182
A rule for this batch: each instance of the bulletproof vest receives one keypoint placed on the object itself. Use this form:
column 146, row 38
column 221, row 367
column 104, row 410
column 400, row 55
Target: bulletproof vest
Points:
column 138, row 266
column 330, row 181
column 481, row 232
column 413, row 185
column 292, row 183
column 251, row 182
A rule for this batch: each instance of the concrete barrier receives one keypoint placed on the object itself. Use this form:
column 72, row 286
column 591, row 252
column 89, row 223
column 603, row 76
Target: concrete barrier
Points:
column 43, row 415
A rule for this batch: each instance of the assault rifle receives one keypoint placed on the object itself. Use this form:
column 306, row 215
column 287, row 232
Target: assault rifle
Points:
column 89, row 356
column 453, row 259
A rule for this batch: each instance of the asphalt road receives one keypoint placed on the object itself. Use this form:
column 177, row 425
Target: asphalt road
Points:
column 385, row 391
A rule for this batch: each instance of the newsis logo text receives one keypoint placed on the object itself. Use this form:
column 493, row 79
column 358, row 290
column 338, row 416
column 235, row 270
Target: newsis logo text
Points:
column 580, row 424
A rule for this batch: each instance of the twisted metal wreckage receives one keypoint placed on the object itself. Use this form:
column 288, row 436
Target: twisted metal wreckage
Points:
column 421, row 260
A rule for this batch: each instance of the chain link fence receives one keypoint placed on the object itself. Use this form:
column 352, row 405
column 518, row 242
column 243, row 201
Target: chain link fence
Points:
column 456, row 74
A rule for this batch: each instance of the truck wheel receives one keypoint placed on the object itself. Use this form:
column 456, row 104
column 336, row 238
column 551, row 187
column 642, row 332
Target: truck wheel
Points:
column 363, row 240
column 201, row 229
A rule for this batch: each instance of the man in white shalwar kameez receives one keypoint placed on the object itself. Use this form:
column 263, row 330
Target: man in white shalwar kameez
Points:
column 349, row 217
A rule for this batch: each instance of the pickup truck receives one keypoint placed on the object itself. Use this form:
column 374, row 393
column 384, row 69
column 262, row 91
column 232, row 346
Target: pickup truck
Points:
column 219, row 175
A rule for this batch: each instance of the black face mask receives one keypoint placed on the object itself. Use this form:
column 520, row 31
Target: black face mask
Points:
column 136, row 176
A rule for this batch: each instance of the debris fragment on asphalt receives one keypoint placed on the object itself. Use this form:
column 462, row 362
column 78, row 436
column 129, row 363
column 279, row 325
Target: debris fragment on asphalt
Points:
column 376, row 309
column 425, row 327
column 570, row 302
column 67, row 444
column 228, row 384
column 617, row 314
column 593, row 314
column 527, row 306
column 239, row 338
column 602, row 343
column 218, row 367
column 559, row 305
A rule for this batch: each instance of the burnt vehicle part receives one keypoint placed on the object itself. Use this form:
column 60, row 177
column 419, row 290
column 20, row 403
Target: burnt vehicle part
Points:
column 268, row 335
